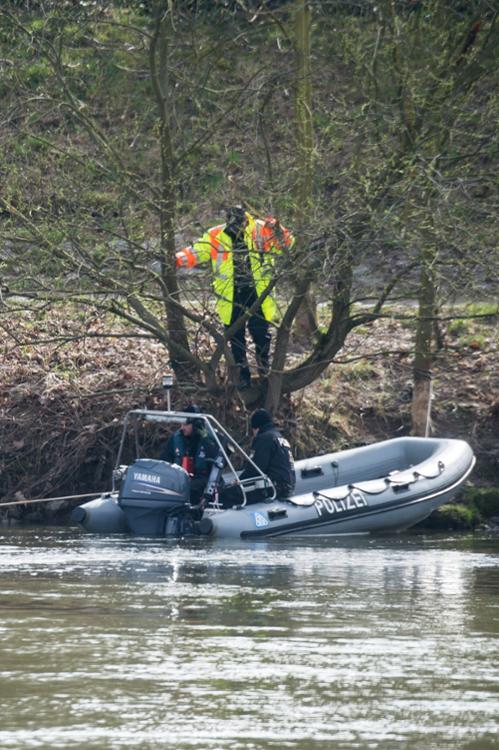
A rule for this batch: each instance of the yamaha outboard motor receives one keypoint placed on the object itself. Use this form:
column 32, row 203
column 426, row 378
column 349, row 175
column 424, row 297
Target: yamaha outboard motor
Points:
column 154, row 496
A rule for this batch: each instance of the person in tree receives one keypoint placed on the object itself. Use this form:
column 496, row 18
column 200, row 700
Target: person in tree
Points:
column 192, row 448
column 242, row 253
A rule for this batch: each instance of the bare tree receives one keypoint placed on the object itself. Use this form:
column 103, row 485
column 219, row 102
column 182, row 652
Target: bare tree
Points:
column 306, row 323
column 145, row 120
column 440, row 55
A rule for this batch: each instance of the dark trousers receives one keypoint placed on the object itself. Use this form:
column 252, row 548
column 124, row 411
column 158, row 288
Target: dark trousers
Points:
column 198, row 485
column 230, row 496
column 259, row 332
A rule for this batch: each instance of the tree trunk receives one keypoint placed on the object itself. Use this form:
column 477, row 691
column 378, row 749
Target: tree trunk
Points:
column 421, row 403
column 177, row 331
column 306, row 319
column 423, row 359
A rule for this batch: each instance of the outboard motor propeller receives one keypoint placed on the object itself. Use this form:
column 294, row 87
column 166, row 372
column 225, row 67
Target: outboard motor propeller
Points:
column 154, row 496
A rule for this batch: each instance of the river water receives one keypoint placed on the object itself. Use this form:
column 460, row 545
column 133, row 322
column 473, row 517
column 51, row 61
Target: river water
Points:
column 111, row 643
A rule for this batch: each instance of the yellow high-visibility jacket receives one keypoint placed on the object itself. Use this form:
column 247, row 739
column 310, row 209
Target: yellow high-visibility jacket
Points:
column 265, row 238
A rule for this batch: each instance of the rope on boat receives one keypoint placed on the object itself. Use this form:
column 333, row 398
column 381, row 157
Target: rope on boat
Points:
column 403, row 484
column 441, row 467
column 48, row 499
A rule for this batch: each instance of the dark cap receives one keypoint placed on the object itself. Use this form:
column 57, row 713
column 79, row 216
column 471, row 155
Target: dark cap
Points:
column 236, row 216
column 259, row 418
column 193, row 409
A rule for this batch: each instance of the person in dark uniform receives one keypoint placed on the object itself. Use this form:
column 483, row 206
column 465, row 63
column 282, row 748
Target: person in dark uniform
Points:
column 271, row 453
column 192, row 448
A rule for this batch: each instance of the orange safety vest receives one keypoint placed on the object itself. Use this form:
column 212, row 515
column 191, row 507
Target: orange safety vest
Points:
column 265, row 238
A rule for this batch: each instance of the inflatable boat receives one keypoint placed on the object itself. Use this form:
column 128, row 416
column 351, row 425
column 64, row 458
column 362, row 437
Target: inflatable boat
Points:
column 384, row 487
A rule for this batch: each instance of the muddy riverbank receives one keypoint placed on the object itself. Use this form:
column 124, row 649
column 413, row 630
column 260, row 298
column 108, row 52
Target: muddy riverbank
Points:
column 61, row 407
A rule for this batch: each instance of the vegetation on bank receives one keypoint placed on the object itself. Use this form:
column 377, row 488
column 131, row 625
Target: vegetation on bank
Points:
column 477, row 508
column 369, row 128
column 62, row 404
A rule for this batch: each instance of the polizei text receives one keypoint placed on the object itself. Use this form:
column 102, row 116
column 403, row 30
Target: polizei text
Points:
column 327, row 506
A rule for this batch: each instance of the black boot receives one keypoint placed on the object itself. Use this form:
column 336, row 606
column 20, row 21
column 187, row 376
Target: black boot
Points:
column 244, row 378
column 262, row 364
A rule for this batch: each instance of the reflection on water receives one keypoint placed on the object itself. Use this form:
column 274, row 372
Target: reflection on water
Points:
column 113, row 643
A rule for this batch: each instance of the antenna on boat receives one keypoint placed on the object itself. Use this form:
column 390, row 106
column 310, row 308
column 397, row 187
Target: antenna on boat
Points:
column 167, row 382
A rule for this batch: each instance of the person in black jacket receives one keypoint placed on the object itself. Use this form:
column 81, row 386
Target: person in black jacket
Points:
column 271, row 453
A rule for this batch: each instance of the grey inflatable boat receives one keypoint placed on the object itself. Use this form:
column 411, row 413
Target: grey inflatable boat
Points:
column 385, row 487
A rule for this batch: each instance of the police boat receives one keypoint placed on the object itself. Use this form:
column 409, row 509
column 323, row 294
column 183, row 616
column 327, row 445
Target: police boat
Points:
column 383, row 487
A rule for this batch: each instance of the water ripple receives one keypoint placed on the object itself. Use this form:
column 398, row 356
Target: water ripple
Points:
column 114, row 643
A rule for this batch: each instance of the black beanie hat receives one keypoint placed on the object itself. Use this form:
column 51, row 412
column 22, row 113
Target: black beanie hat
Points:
column 236, row 216
column 259, row 418
column 193, row 409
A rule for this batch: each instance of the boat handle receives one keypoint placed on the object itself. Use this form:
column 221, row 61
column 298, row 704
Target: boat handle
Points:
column 314, row 471
column 277, row 513
column 440, row 466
